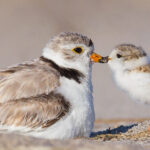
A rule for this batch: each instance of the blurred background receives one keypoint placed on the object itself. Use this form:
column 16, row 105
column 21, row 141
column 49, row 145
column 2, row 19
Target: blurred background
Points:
column 27, row 25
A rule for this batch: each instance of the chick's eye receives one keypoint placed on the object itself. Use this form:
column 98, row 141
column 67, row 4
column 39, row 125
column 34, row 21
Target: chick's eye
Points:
column 119, row 56
column 78, row 50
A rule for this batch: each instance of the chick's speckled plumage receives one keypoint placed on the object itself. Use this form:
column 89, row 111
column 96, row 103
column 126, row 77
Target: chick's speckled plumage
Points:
column 131, row 71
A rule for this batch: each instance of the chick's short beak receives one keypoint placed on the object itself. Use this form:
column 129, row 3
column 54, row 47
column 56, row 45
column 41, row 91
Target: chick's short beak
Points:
column 104, row 59
column 99, row 59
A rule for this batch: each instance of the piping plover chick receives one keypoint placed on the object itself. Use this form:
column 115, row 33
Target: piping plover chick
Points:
column 51, row 97
column 131, row 70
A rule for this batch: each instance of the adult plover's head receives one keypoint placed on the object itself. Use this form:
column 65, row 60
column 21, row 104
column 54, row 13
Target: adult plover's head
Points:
column 127, row 57
column 71, row 50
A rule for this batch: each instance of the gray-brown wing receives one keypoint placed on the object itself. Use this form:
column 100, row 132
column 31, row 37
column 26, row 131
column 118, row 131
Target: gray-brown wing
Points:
column 41, row 111
column 144, row 68
column 27, row 80
column 10, row 70
column 4, row 74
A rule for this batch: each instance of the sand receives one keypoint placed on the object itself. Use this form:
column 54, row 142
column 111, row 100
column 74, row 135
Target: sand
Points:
column 107, row 135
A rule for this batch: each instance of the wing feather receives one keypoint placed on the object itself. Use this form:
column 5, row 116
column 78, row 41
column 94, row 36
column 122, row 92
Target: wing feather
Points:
column 26, row 81
column 34, row 112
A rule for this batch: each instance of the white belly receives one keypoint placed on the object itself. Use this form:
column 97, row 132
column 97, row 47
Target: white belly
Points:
column 136, row 84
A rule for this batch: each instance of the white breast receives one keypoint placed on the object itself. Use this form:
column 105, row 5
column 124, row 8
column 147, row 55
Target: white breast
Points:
column 136, row 84
column 80, row 121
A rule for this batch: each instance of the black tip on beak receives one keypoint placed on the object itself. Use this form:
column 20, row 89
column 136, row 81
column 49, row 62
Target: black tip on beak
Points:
column 104, row 59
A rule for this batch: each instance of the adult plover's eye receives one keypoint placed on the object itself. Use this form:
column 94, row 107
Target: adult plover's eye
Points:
column 78, row 50
column 119, row 56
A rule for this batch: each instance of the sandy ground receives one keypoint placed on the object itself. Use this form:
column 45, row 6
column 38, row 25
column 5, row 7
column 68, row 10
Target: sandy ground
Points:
column 124, row 131
column 107, row 135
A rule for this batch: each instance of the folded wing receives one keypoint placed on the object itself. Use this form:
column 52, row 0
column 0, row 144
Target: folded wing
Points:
column 27, row 80
column 35, row 112
column 27, row 96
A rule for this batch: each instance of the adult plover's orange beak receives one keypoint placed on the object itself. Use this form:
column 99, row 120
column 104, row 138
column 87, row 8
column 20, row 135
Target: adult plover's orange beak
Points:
column 95, row 57
column 99, row 59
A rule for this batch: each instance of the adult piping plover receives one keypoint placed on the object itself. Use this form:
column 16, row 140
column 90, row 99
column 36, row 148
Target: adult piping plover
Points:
column 131, row 69
column 51, row 97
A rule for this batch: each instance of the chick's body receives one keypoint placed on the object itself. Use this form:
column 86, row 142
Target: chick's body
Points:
column 131, row 69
